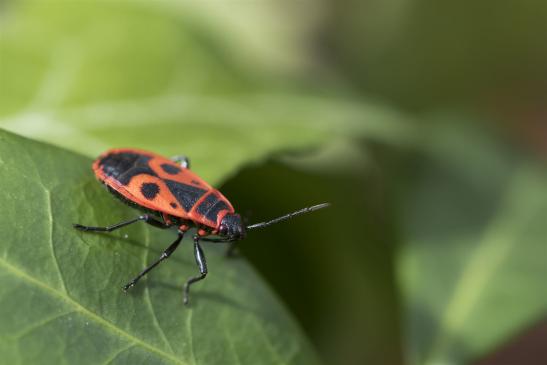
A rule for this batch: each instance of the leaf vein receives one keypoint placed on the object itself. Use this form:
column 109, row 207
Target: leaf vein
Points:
column 50, row 237
column 118, row 353
column 93, row 316
column 39, row 324
column 149, row 301
column 231, row 344
column 269, row 344
column 190, row 337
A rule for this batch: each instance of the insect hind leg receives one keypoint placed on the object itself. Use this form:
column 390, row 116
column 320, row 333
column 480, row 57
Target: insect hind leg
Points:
column 145, row 217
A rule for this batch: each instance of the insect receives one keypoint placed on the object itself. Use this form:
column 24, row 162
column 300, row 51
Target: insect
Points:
column 171, row 195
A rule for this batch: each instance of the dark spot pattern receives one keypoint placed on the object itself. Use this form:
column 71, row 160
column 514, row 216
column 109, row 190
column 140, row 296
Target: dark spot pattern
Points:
column 150, row 190
column 207, row 204
column 126, row 178
column 213, row 213
column 186, row 195
column 195, row 182
column 211, row 206
column 170, row 169
column 124, row 166
column 173, row 205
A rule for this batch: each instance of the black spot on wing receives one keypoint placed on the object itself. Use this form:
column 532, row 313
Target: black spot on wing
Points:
column 211, row 206
column 138, row 170
column 186, row 195
column 207, row 204
column 170, row 169
column 124, row 165
column 115, row 164
column 173, row 205
column 213, row 213
column 150, row 190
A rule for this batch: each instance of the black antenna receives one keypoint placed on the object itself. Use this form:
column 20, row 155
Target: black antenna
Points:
column 273, row 221
column 288, row 216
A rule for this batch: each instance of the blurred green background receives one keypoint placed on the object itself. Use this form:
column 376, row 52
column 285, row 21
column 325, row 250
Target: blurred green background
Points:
column 422, row 122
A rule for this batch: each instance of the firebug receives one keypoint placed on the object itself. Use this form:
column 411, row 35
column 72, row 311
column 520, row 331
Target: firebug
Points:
column 170, row 195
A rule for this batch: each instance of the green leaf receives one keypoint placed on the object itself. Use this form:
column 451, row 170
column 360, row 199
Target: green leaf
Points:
column 349, row 303
column 60, row 289
column 161, row 76
column 473, row 264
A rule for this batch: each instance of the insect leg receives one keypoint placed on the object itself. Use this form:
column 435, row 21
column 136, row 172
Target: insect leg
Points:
column 172, row 247
column 144, row 217
column 156, row 223
column 202, row 265
column 182, row 160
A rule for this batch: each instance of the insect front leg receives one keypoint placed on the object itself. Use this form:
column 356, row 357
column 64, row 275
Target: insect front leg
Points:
column 145, row 217
column 202, row 265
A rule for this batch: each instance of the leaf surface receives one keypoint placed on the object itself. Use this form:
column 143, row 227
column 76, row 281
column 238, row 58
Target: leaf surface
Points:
column 160, row 76
column 60, row 289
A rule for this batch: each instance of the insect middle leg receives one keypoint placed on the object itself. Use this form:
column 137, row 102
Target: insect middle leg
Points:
column 168, row 251
column 202, row 265
column 145, row 217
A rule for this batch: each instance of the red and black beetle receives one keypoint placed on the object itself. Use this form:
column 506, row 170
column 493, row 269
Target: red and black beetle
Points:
column 172, row 195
